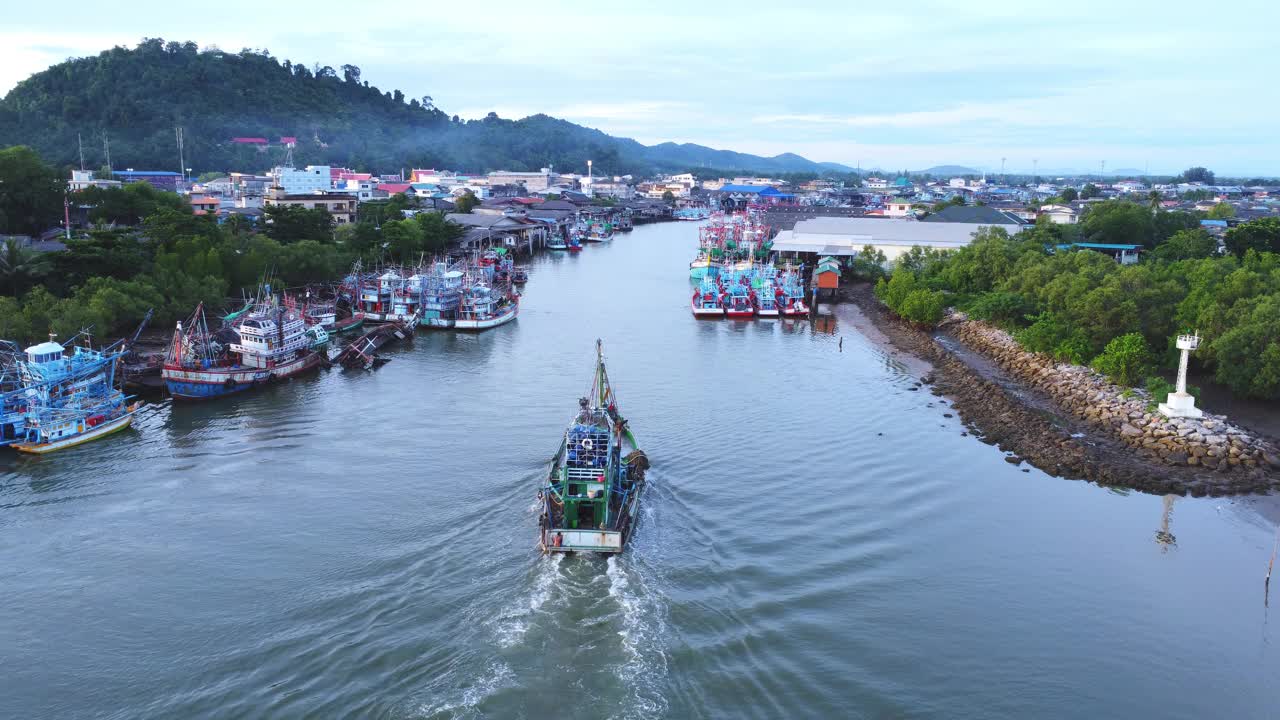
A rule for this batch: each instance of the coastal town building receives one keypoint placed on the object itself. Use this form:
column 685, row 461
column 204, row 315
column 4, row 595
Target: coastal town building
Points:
column 311, row 179
column 83, row 179
column 340, row 206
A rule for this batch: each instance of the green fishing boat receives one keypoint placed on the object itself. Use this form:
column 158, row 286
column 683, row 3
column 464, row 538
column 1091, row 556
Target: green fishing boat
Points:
column 592, row 496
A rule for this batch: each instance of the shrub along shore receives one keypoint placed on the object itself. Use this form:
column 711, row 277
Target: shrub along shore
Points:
column 1084, row 444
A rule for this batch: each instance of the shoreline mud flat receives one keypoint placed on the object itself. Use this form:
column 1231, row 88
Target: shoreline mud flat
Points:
column 1000, row 408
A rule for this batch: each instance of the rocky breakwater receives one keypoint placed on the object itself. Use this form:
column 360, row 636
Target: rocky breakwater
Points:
column 1243, row 461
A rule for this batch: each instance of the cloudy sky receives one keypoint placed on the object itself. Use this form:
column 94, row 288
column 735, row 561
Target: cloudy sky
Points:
column 1067, row 85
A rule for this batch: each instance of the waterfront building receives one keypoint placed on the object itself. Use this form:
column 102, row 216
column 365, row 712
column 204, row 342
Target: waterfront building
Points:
column 846, row 237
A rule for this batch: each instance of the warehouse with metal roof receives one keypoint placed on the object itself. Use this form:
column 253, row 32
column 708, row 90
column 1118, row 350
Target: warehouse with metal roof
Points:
column 846, row 237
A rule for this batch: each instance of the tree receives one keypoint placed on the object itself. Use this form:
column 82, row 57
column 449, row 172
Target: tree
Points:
column 1068, row 194
column 668, row 196
column 1166, row 224
column 1126, row 360
column 1187, row 245
column 351, row 74
column 130, row 204
column 1119, row 222
column 1197, row 174
column 1089, row 191
column 466, row 202
column 290, row 223
column 1222, row 211
column 31, row 192
column 20, row 267
column 1262, row 235
column 923, row 307
column 1248, row 354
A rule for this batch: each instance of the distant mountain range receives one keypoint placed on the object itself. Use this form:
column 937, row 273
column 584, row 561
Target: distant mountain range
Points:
column 136, row 99
column 948, row 170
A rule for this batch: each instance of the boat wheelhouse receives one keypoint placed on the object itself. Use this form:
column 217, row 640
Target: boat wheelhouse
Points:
column 591, row 500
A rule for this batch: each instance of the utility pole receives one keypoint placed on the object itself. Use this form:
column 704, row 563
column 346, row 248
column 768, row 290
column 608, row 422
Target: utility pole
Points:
column 106, row 150
column 80, row 144
column 182, row 165
column 1103, row 171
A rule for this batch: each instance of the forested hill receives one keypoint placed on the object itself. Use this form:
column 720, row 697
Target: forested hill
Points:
column 137, row 97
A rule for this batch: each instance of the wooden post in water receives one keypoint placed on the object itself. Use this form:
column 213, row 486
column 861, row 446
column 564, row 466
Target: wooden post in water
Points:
column 1266, row 583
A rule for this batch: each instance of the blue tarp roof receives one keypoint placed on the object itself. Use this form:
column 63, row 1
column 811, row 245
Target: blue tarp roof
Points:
column 1213, row 223
column 746, row 188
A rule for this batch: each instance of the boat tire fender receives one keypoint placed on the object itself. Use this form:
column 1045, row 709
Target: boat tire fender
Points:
column 587, row 444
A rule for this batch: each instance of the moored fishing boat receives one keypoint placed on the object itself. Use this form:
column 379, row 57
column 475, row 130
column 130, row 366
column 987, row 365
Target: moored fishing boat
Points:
column 702, row 266
column 708, row 299
column 767, row 296
column 792, row 303
column 557, row 243
column 268, row 344
column 739, row 301
column 441, row 296
column 69, row 400
column 591, row 500
column 484, row 306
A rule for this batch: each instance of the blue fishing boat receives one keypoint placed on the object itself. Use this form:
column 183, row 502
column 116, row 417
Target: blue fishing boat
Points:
column 708, row 299
column 441, row 296
column 792, row 301
column 13, row 404
column 69, row 397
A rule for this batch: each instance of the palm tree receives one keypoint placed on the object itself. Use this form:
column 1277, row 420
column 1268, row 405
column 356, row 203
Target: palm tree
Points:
column 1155, row 198
column 20, row 267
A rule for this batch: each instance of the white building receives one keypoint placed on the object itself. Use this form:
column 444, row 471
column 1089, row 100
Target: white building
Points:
column 82, row 179
column 957, row 182
column 875, row 183
column 307, row 181
column 1060, row 214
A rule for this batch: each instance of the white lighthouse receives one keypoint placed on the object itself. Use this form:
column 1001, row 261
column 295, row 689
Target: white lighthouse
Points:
column 1180, row 403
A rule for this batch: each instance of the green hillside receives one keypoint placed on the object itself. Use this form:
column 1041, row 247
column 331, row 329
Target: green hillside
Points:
column 137, row 97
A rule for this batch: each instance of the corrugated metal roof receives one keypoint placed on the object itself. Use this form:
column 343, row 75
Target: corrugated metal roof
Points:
column 856, row 232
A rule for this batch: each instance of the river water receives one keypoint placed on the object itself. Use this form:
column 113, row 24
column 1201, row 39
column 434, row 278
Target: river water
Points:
column 818, row 539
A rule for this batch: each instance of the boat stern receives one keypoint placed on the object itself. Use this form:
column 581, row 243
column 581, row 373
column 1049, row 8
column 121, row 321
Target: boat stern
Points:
column 566, row 540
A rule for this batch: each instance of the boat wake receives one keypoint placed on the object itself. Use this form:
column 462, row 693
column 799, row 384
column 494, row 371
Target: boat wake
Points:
column 512, row 622
column 465, row 705
column 642, row 616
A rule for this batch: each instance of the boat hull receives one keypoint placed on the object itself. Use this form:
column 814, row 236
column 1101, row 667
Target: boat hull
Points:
column 347, row 325
column 740, row 314
column 486, row 323
column 700, row 312
column 184, row 384
column 102, row 430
